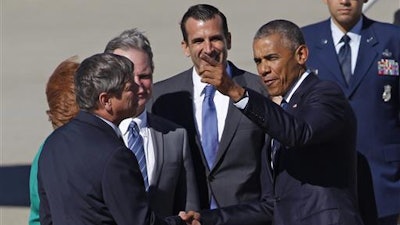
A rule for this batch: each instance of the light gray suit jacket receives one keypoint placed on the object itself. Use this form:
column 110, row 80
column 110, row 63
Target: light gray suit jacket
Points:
column 173, row 187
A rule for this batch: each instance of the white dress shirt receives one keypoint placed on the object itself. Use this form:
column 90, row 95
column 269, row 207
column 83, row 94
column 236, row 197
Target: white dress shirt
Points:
column 221, row 103
column 355, row 39
column 144, row 130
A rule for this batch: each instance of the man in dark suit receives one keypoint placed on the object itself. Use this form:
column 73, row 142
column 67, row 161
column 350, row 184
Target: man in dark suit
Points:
column 312, row 159
column 86, row 174
column 228, row 172
column 169, row 163
column 372, row 89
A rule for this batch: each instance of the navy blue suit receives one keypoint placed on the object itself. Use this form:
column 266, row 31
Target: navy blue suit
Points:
column 314, row 177
column 374, row 97
column 86, row 175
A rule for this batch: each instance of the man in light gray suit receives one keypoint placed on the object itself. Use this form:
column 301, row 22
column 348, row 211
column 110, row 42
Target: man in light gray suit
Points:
column 170, row 173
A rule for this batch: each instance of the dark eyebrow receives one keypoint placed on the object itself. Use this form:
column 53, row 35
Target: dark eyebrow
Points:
column 194, row 40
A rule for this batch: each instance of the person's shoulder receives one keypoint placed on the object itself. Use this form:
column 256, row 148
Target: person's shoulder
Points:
column 173, row 80
column 326, row 86
column 314, row 26
column 236, row 71
column 383, row 28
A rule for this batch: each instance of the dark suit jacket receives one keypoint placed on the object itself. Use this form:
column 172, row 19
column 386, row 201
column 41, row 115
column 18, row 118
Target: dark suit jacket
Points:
column 235, row 177
column 314, row 178
column 173, row 187
column 87, row 176
column 378, row 138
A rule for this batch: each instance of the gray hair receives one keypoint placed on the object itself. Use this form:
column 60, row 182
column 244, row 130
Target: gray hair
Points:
column 99, row 73
column 292, row 37
column 131, row 39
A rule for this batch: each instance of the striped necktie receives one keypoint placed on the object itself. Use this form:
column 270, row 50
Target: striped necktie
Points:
column 135, row 144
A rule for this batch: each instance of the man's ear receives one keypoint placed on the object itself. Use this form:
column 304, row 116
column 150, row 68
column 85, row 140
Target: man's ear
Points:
column 302, row 54
column 105, row 101
column 185, row 48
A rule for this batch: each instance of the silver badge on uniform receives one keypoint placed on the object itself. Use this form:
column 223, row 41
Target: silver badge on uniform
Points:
column 387, row 93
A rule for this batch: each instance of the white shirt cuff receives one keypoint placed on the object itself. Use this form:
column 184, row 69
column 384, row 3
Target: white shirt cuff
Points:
column 241, row 104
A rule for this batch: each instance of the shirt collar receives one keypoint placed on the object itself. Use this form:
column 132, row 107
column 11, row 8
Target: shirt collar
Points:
column 337, row 34
column 140, row 120
column 296, row 85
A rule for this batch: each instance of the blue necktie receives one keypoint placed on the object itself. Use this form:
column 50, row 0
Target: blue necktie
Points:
column 209, row 139
column 135, row 144
column 345, row 58
column 275, row 144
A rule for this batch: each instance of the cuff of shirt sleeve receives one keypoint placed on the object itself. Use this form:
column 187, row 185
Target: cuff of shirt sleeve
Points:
column 242, row 103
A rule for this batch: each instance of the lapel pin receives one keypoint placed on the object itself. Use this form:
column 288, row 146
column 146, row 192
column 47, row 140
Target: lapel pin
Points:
column 370, row 39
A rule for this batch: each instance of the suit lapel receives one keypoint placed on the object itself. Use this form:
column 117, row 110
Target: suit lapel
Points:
column 158, row 143
column 231, row 124
column 367, row 55
column 188, row 86
column 232, row 119
column 325, row 49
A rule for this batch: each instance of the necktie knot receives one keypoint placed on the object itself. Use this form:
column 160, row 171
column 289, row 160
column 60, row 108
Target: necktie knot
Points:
column 345, row 39
column 133, row 127
column 284, row 104
column 209, row 91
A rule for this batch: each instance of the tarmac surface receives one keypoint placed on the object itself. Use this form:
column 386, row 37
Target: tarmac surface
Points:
column 36, row 35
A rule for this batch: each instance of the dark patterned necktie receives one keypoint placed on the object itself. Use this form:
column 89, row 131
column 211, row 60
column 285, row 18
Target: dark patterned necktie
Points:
column 275, row 144
column 135, row 144
column 345, row 58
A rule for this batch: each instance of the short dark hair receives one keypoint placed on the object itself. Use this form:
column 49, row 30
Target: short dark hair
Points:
column 202, row 12
column 291, row 34
column 99, row 73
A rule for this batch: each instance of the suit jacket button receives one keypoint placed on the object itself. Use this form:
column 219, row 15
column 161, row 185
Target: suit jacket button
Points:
column 210, row 178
